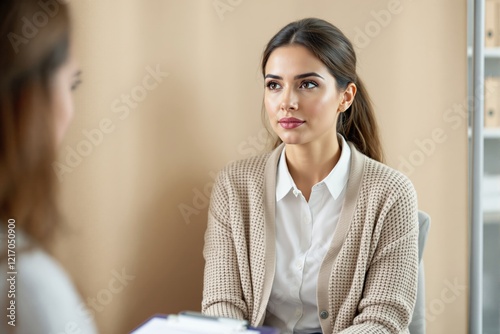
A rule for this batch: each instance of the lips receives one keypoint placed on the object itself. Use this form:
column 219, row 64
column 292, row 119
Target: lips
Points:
column 290, row 122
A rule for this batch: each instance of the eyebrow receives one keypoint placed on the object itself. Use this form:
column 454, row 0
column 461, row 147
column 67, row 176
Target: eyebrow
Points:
column 78, row 73
column 299, row 76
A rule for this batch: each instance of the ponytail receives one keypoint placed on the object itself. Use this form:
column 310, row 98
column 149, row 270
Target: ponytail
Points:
column 358, row 125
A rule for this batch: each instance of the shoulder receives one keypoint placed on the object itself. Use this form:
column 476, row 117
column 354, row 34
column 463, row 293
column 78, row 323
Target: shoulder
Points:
column 382, row 174
column 40, row 270
column 245, row 170
column 392, row 195
column 46, row 294
column 380, row 188
column 389, row 199
column 381, row 178
column 239, row 183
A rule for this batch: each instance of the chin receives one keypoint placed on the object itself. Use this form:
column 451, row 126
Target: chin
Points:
column 291, row 141
column 290, row 138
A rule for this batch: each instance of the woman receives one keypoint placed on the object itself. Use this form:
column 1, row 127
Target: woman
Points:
column 38, row 74
column 317, row 236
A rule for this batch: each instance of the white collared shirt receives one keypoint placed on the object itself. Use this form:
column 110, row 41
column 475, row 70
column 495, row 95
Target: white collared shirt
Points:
column 304, row 231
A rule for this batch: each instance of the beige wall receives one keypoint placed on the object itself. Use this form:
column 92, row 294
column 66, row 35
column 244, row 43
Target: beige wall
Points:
column 123, row 200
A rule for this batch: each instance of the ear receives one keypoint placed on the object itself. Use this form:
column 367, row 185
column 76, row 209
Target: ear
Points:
column 348, row 97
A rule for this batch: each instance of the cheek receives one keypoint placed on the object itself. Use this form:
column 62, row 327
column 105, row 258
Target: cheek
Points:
column 321, row 105
column 271, row 104
column 63, row 109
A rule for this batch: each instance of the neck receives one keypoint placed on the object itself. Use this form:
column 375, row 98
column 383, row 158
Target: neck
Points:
column 310, row 163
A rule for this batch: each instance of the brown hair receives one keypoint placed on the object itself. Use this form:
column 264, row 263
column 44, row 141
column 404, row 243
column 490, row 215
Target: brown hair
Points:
column 357, row 124
column 34, row 44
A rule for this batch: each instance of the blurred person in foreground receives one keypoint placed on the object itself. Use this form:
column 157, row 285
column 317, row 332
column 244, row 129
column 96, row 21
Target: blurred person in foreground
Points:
column 37, row 76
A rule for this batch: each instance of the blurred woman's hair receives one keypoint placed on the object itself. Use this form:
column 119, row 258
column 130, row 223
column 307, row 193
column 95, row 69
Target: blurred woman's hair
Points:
column 34, row 44
column 357, row 124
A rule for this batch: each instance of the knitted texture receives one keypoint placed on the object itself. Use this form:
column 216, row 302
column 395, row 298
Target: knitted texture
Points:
column 368, row 278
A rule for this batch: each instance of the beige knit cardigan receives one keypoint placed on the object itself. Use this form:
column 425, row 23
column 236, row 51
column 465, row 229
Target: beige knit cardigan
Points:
column 368, row 279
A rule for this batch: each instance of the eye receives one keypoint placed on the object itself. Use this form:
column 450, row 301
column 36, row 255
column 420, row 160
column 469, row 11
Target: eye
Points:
column 308, row 84
column 75, row 84
column 76, row 80
column 273, row 85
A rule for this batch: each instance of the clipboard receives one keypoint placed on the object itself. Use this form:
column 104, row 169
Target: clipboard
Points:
column 197, row 323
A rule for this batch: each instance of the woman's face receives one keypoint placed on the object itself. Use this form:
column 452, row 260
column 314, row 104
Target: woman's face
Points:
column 301, row 97
column 66, row 80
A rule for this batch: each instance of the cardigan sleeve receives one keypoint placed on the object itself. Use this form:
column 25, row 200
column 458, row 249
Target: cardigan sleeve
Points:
column 222, row 293
column 391, row 281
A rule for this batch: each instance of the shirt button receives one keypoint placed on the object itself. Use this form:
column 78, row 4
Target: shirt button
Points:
column 323, row 314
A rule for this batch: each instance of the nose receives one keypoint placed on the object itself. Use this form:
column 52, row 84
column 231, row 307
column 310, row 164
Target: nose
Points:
column 289, row 100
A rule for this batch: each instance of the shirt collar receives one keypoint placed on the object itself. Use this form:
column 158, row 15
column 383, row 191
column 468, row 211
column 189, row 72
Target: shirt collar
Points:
column 339, row 175
column 335, row 180
column 284, row 181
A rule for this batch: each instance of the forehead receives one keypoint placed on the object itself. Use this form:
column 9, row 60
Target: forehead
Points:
column 293, row 59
